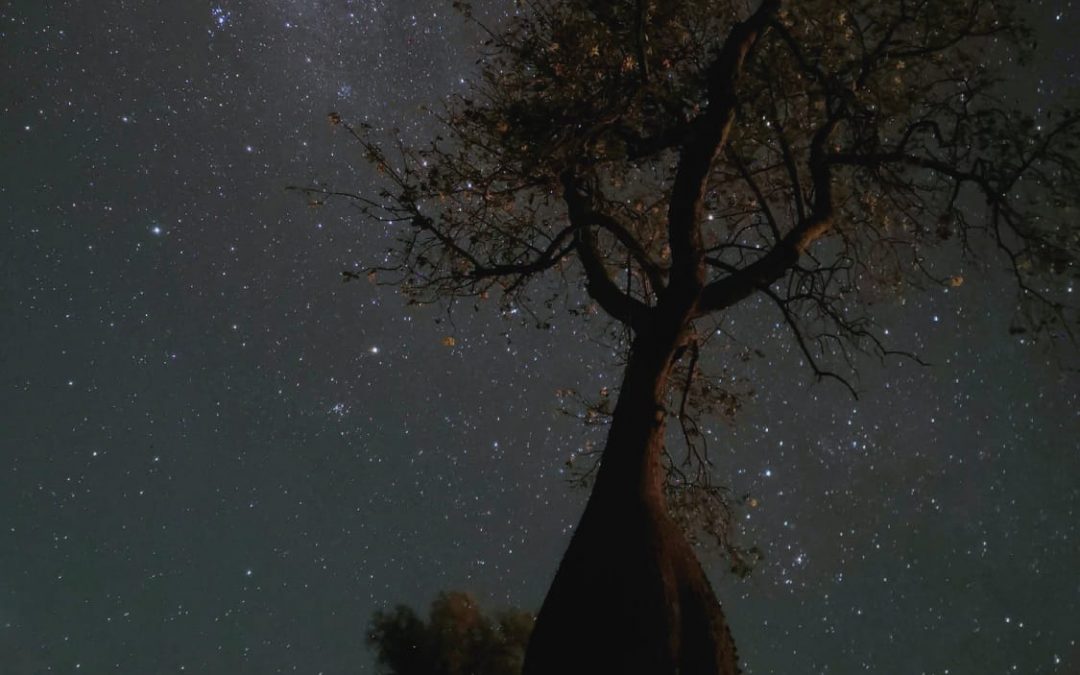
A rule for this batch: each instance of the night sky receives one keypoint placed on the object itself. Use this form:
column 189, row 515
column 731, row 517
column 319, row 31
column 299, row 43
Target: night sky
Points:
column 217, row 458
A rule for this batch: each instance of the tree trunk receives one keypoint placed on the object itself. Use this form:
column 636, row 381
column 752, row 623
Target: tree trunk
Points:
column 630, row 595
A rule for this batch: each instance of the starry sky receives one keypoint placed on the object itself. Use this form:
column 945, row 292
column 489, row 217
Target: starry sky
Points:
column 217, row 458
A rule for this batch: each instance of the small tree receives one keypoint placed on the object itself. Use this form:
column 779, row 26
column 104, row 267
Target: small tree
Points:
column 456, row 640
column 673, row 159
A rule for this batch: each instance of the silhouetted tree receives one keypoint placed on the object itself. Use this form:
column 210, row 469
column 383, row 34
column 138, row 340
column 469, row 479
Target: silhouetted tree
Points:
column 458, row 639
column 672, row 159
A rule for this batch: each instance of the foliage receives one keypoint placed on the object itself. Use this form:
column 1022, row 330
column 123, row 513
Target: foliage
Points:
column 457, row 639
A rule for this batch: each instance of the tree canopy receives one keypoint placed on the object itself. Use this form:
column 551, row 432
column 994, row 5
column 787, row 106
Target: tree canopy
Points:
column 457, row 639
column 637, row 145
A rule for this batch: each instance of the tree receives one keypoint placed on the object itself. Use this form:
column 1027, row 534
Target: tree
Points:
column 674, row 159
column 456, row 640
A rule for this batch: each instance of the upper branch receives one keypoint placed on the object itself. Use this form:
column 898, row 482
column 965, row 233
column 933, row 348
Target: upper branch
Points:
column 707, row 137
column 784, row 255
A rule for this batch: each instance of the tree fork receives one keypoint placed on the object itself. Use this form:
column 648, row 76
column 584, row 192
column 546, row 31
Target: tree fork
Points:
column 630, row 594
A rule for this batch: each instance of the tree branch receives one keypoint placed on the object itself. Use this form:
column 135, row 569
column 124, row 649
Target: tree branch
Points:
column 598, row 282
column 707, row 137
column 772, row 266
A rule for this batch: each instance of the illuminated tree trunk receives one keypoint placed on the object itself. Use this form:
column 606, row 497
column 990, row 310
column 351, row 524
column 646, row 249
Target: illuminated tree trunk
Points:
column 630, row 595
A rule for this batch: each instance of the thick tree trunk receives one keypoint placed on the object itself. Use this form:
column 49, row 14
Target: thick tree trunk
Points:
column 630, row 595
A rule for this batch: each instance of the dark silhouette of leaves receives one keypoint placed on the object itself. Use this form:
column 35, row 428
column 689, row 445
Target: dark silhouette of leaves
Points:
column 457, row 639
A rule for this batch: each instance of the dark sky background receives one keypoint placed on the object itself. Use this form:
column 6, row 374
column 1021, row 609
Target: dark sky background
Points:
column 217, row 458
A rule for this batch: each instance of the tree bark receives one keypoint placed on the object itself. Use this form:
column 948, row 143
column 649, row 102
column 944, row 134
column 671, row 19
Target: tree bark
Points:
column 630, row 595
